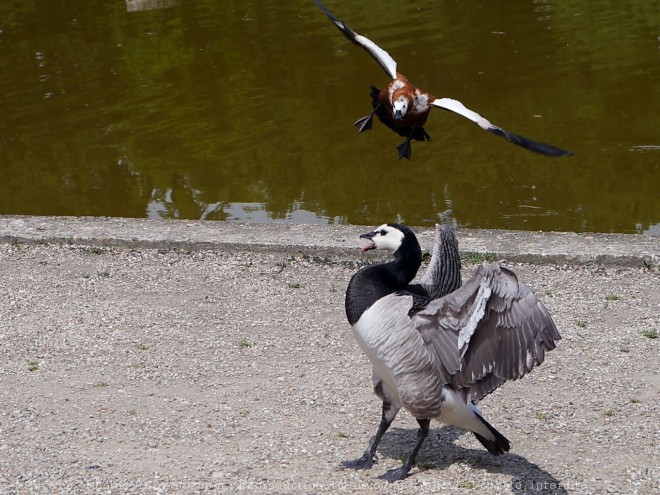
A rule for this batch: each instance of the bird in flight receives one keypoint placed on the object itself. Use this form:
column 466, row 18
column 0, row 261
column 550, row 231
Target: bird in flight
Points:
column 404, row 108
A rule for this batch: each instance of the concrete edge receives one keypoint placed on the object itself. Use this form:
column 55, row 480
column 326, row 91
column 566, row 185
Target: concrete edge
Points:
column 333, row 242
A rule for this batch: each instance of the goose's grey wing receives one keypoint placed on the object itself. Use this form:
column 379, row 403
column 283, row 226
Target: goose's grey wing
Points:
column 491, row 330
column 381, row 56
column 443, row 275
column 457, row 107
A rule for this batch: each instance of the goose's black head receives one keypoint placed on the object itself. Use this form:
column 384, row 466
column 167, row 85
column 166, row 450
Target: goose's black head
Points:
column 390, row 236
column 376, row 281
column 394, row 237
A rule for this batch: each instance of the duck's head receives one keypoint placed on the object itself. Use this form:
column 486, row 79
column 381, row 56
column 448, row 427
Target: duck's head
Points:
column 400, row 107
column 390, row 236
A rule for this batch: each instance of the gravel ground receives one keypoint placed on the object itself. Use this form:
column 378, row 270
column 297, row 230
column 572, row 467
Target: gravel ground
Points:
column 169, row 371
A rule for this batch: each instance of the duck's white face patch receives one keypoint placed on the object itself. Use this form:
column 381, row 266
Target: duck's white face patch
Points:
column 400, row 107
column 387, row 237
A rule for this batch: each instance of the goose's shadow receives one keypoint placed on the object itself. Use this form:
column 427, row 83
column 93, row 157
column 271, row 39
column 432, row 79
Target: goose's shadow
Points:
column 440, row 451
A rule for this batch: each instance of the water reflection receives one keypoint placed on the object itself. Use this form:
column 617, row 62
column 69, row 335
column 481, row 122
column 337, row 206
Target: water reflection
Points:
column 141, row 5
column 229, row 111
column 652, row 230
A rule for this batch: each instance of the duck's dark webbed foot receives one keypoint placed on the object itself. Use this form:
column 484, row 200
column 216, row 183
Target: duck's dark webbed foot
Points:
column 364, row 124
column 416, row 133
column 405, row 149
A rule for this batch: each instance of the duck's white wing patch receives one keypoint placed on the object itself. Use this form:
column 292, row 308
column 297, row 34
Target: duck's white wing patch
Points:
column 457, row 107
column 382, row 57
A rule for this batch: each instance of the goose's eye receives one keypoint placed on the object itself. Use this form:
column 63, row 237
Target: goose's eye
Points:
column 383, row 232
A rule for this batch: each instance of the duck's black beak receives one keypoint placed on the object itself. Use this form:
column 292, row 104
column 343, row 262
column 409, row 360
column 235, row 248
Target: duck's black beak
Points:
column 371, row 244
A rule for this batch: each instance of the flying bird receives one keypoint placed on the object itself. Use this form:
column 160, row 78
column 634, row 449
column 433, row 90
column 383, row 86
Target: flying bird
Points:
column 404, row 108
column 435, row 353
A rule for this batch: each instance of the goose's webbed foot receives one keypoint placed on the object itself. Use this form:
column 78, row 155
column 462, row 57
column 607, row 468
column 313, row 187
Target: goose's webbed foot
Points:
column 364, row 462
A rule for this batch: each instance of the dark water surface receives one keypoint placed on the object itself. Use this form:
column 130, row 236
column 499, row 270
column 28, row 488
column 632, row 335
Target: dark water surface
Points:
column 231, row 110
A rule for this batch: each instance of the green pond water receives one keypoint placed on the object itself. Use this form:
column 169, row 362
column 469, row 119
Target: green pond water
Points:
column 243, row 111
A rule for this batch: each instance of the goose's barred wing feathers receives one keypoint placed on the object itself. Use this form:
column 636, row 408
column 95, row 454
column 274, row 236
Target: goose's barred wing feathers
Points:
column 491, row 330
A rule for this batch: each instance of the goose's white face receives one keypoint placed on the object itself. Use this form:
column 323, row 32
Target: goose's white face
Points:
column 400, row 107
column 384, row 237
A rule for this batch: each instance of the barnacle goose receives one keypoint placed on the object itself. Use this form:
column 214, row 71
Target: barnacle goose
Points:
column 436, row 351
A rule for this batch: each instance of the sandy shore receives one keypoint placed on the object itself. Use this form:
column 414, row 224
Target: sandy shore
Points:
column 188, row 357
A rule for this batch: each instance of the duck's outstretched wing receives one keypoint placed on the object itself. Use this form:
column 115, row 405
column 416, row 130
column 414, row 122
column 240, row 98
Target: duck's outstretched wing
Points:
column 381, row 56
column 491, row 330
column 457, row 107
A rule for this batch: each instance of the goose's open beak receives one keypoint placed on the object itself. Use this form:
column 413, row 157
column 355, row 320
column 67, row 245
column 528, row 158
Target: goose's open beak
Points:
column 370, row 245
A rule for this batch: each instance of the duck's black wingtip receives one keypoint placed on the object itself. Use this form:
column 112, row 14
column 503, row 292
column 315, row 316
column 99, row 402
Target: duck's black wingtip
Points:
column 341, row 25
column 325, row 10
column 535, row 146
column 547, row 149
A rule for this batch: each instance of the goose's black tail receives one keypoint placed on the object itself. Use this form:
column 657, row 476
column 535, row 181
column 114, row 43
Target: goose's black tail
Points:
column 497, row 446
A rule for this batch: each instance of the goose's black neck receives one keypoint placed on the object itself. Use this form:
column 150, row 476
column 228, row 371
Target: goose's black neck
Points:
column 376, row 281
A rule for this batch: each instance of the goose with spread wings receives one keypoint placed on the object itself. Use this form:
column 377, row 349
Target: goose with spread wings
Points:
column 438, row 355
column 404, row 108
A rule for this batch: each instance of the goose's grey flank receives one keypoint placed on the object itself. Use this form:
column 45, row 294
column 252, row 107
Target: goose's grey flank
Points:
column 437, row 348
